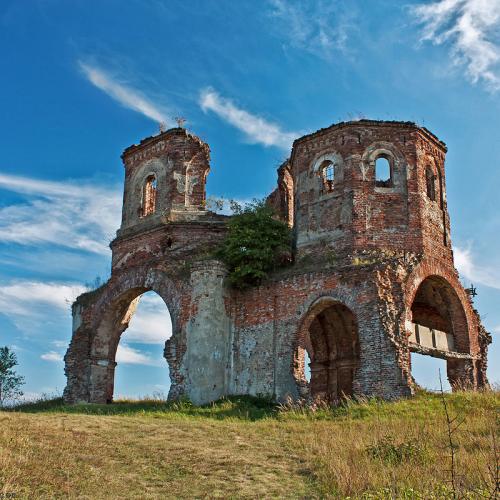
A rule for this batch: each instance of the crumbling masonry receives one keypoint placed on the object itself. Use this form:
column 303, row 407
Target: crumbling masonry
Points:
column 372, row 278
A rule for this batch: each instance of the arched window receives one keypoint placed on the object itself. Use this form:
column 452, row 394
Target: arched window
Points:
column 327, row 170
column 430, row 180
column 149, row 196
column 383, row 172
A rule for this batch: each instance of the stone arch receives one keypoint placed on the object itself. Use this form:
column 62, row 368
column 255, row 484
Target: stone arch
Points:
column 438, row 304
column 328, row 332
column 111, row 316
column 452, row 291
column 429, row 165
column 323, row 161
column 430, row 182
column 397, row 165
column 194, row 173
column 157, row 167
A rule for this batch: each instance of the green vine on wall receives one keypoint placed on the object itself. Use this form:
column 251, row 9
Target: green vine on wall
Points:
column 256, row 244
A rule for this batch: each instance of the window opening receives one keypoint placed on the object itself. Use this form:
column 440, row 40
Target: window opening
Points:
column 149, row 196
column 383, row 172
column 328, row 174
column 430, row 179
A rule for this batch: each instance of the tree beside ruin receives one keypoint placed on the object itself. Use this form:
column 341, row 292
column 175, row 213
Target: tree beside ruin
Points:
column 10, row 381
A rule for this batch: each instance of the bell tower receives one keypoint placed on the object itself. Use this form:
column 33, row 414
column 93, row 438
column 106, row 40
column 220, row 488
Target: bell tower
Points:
column 164, row 179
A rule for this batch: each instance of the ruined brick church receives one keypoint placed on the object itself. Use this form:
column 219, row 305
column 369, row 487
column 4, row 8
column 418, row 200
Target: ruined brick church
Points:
column 372, row 278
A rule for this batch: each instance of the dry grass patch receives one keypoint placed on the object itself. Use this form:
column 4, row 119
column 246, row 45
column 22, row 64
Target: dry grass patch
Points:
column 246, row 448
column 401, row 450
column 47, row 456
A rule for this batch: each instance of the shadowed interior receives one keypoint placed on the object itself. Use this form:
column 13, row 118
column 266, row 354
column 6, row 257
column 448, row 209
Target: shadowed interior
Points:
column 334, row 353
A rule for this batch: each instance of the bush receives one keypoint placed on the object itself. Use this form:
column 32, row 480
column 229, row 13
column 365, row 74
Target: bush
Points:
column 257, row 243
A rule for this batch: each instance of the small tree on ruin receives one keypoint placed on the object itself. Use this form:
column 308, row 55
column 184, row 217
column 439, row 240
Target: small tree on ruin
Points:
column 257, row 243
column 10, row 382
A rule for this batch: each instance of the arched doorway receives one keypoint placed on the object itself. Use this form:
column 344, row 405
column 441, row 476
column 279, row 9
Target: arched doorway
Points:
column 117, row 307
column 141, row 369
column 440, row 330
column 330, row 340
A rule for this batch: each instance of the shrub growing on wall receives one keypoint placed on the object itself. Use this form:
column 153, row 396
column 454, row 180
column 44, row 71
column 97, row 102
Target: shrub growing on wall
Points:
column 257, row 243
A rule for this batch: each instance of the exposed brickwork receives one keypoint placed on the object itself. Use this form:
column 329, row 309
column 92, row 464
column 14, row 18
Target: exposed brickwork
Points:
column 371, row 260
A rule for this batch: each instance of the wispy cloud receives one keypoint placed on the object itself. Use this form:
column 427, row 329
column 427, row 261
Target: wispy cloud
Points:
column 471, row 28
column 476, row 273
column 80, row 216
column 31, row 298
column 52, row 356
column 320, row 27
column 128, row 355
column 36, row 308
column 256, row 129
column 124, row 94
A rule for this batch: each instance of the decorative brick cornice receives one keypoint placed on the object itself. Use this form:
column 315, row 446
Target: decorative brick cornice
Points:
column 155, row 145
column 372, row 123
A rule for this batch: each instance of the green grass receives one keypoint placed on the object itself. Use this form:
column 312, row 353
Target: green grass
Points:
column 246, row 447
column 240, row 408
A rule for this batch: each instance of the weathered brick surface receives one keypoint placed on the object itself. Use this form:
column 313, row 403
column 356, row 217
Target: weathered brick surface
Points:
column 370, row 259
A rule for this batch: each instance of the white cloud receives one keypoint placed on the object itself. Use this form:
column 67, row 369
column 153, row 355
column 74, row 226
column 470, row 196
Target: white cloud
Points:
column 476, row 273
column 128, row 355
column 76, row 215
column 151, row 324
column 256, row 128
column 125, row 95
column 320, row 27
column 33, row 298
column 52, row 356
column 38, row 308
column 471, row 28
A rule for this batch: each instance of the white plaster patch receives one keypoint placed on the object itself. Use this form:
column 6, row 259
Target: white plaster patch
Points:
column 181, row 182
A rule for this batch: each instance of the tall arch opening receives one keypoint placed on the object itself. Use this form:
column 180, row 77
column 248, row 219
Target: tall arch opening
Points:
column 137, row 351
column 141, row 369
column 330, row 341
column 439, row 330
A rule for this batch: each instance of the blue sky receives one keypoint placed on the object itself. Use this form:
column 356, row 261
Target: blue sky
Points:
column 82, row 80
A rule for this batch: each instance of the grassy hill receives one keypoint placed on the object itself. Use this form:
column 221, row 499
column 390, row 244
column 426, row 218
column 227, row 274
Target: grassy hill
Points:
column 250, row 448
